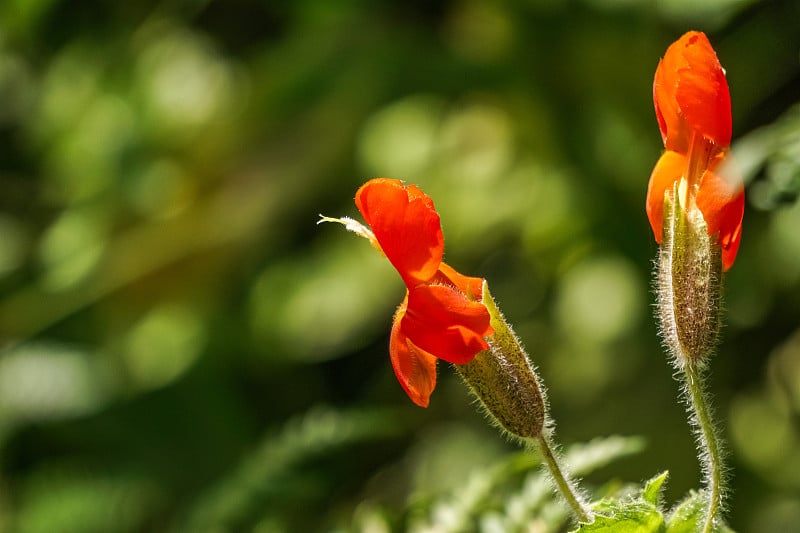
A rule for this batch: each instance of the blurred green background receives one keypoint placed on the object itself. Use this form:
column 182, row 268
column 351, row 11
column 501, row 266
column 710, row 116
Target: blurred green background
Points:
column 184, row 349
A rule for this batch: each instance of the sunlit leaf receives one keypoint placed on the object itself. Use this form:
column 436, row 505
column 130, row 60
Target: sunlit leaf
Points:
column 688, row 515
column 652, row 489
column 631, row 518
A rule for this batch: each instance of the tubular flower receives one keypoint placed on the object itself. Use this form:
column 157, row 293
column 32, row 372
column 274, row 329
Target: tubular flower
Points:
column 693, row 109
column 441, row 316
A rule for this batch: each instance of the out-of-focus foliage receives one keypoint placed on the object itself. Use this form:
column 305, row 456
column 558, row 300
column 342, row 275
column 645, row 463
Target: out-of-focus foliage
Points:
column 182, row 348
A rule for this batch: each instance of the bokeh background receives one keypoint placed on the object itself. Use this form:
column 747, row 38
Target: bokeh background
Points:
column 184, row 349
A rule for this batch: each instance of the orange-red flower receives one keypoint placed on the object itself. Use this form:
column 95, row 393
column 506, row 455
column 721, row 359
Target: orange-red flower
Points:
column 693, row 109
column 441, row 316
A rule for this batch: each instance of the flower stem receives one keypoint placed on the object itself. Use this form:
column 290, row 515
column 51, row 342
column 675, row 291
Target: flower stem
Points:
column 563, row 483
column 711, row 451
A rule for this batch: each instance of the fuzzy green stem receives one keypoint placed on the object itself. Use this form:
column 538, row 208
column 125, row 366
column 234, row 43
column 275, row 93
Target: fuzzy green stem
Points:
column 689, row 292
column 506, row 383
column 563, row 483
column 712, row 452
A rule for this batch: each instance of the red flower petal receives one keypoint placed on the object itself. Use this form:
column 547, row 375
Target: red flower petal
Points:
column 669, row 169
column 406, row 226
column 691, row 93
column 415, row 368
column 693, row 105
column 471, row 287
column 721, row 201
column 667, row 113
column 442, row 321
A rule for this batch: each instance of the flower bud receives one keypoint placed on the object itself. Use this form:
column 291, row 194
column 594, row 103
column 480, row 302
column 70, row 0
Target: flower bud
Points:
column 504, row 380
column 689, row 273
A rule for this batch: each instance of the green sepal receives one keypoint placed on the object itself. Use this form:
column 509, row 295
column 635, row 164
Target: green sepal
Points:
column 505, row 381
column 688, row 284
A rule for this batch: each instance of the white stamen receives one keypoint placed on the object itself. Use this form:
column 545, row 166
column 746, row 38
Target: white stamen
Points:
column 354, row 226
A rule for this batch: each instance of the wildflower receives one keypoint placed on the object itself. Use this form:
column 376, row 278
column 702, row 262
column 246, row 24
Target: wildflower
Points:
column 441, row 316
column 446, row 315
column 695, row 207
column 693, row 109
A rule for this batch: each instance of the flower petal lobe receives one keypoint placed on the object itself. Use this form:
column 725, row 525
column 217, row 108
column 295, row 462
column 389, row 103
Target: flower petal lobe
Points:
column 406, row 226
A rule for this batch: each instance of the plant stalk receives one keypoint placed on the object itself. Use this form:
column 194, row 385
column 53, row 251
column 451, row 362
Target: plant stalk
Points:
column 711, row 451
column 563, row 483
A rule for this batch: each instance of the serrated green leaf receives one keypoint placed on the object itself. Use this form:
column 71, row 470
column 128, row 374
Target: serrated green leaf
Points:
column 585, row 458
column 652, row 489
column 687, row 514
column 629, row 517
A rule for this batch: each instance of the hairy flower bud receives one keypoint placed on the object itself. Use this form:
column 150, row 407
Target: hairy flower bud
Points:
column 504, row 380
column 689, row 273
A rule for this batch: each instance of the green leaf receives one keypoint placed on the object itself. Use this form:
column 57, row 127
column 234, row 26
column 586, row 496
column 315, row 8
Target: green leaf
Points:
column 687, row 514
column 640, row 515
column 652, row 489
column 629, row 517
column 601, row 451
column 246, row 490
